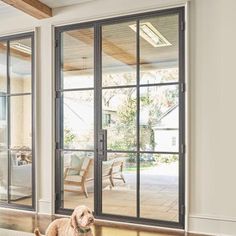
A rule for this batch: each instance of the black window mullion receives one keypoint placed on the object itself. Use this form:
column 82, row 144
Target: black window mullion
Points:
column 98, row 110
column 182, row 118
column 138, row 116
column 74, row 89
column 8, row 124
column 58, row 122
column 141, row 85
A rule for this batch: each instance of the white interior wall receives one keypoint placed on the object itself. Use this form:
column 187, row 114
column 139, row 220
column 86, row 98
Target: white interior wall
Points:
column 212, row 194
column 212, row 63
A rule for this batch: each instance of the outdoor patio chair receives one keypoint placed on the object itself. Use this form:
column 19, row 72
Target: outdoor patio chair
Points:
column 79, row 171
column 78, row 177
column 117, row 170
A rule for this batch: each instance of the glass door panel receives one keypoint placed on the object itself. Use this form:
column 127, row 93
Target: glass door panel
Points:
column 159, row 191
column 77, row 62
column 118, row 55
column 3, row 124
column 159, row 118
column 4, row 175
column 20, row 66
column 76, row 135
column 119, row 119
column 159, row 123
column 143, row 90
column 126, row 123
column 119, row 184
column 3, row 67
column 16, row 121
column 21, row 149
column 78, row 177
column 159, row 49
column 78, row 109
column 21, row 122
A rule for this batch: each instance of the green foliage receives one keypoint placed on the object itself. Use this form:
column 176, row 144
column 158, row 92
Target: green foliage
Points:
column 69, row 137
column 166, row 158
column 124, row 129
column 154, row 101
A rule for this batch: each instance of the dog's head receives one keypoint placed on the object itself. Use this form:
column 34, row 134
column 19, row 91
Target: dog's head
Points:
column 82, row 217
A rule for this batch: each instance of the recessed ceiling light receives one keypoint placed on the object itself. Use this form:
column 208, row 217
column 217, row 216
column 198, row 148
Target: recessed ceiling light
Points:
column 151, row 34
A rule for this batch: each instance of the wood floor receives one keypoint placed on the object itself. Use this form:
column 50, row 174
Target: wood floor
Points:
column 27, row 222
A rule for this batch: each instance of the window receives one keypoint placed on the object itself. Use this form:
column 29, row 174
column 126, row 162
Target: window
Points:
column 173, row 141
column 3, row 110
column 16, row 121
column 107, row 119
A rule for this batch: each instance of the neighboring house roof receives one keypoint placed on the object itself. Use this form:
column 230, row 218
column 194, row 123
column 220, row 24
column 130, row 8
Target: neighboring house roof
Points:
column 169, row 119
column 167, row 112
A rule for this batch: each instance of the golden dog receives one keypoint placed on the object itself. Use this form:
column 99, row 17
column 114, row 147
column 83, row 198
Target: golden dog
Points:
column 79, row 224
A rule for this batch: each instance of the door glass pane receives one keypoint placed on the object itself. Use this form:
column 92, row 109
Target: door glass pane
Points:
column 118, row 54
column 3, row 150
column 119, row 118
column 3, row 174
column 119, row 174
column 21, row 177
column 78, row 179
column 16, row 163
column 3, row 123
column 159, row 40
column 78, row 107
column 21, row 122
column 118, row 110
column 159, row 118
column 159, row 177
column 3, row 67
column 78, row 58
column 20, row 66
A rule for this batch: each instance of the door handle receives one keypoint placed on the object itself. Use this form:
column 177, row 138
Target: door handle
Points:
column 102, row 144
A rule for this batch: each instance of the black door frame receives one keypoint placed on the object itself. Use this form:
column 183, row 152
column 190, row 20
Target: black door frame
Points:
column 96, row 25
column 7, row 40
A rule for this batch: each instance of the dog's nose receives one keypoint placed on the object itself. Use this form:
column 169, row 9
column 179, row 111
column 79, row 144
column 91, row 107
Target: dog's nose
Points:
column 91, row 220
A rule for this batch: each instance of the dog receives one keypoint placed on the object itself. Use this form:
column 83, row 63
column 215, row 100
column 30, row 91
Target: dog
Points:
column 79, row 224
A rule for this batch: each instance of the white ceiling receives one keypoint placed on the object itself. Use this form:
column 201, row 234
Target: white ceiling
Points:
column 4, row 8
column 62, row 3
column 7, row 9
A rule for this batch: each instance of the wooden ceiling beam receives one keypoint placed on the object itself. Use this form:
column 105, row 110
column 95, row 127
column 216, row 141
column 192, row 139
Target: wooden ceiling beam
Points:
column 109, row 48
column 34, row 8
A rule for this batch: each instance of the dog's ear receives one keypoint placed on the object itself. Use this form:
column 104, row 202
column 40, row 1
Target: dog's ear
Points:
column 73, row 221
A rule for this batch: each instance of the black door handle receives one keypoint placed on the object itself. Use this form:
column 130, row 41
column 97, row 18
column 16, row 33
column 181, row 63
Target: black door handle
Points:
column 102, row 144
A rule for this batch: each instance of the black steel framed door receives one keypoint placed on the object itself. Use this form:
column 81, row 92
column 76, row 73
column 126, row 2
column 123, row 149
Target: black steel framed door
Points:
column 17, row 123
column 120, row 118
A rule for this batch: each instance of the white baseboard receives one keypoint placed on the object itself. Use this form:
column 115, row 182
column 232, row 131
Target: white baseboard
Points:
column 45, row 207
column 212, row 225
